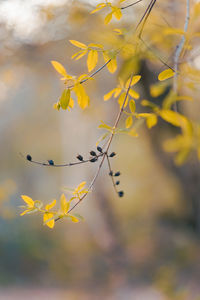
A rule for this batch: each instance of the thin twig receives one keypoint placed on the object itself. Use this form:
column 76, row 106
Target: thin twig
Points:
column 61, row 165
column 106, row 151
column 131, row 4
column 179, row 49
column 159, row 58
column 145, row 16
column 110, row 172
column 93, row 74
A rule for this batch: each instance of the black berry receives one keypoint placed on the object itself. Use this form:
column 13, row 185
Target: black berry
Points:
column 28, row 157
column 117, row 182
column 51, row 162
column 121, row 193
column 93, row 153
column 112, row 154
column 111, row 173
column 93, row 159
column 99, row 149
column 80, row 157
column 117, row 174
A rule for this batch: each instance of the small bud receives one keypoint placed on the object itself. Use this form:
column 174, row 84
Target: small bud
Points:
column 121, row 193
column 111, row 173
column 80, row 157
column 28, row 157
column 117, row 182
column 112, row 154
column 99, row 149
column 93, row 153
column 51, row 162
column 93, row 159
column 117, row 174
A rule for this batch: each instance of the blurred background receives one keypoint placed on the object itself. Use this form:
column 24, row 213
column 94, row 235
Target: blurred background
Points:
column 142, row 246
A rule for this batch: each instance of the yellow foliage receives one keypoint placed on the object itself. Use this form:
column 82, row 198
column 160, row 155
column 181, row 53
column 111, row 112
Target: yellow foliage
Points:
column 151, row 121
column 92, row 60
column 59, row 68
column 129, row 122
column 166, row 74
column 82, row 97
column 78, row 44
column 112, row 65
column 48, row 216
column 132, row 106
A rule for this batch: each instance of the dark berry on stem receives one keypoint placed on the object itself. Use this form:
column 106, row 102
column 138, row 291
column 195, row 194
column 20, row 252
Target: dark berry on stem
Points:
column 112, row 154
column 93, row 153
column 93, row 159
column 111, row 173
column 121, row 193
column 80, row 157
column 117, row 174
column 28, row 157
column 99, row 149
column 51, row 162
column 117, row 182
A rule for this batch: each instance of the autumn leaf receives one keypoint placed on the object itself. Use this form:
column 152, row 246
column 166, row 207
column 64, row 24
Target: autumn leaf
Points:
column 166, row 74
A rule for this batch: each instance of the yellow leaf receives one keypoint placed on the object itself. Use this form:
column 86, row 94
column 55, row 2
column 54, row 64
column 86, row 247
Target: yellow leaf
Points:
column 112, row 65
column 65, row 98
column 121, row 99
column 28, row 200
column 98, row 7
column 108, row 18
column 95, row 45
column 74, row 219
column 56, row 106
column 78, row 44
column 117, row 13
column 92, row 60
column 81, row 185
column 133, row 133
column 118, row 31
column 157, row 89
column 117, row 92
column 134, row 80
column 174, row 118
column 105, row 126
column 24, row 212
column 82, row 97
column 59, row 68
column 109, row 95
column 129, row 122
column 166, row 74
column 132, row 106
column 47, row 216
column 71, row 103
column 50, row 205
column 64, row 204
column 79, row 54
column 151, row 121
column 134, row 94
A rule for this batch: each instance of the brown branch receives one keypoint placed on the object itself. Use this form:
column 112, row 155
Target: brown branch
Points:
column 62, row 165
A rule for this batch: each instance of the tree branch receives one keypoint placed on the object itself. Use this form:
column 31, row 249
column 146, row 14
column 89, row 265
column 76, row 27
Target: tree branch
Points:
column 179, row 49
